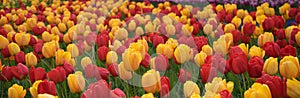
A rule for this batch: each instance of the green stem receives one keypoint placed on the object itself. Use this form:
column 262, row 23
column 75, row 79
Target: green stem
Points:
column 244, row 82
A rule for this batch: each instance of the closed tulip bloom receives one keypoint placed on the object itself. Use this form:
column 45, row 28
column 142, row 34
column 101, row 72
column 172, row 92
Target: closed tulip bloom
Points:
column 223, row 43
column 57, row 74
column 31, row 59
column 61, row 56
column 208, row 29
column 85, row 61
column 46, row 96
column 132, row 59
column 62, row 27
column 260, row 19
column 123, row 73
column 236, row 21
column 160, row 63
column 170, row 29
column 13, row 48
column 256, row 51
column 289, row 30
column 297, row 37
column 111, row 57
column 16, row 91
column 121, row 34
column 258, row 90
column 73, row 49
column 275, row 84
column 207, row 50
column 149, row 95
column 293, row 86
column 33, row 89
column 266, row 37
column 228, row 28
column 190, row 88
column 4, row 42
column 76, row 82
column 49, row 50
column 131, row 25
column 37, row 74
column 200, row 58
column 271, row 66
column 218, row 85
column 165, row 49
column 22, row 39
column 182, row 53
column 255, row 67
column 187, row 29
column 289, row 67
column 102, row 52
column 151, row 81
column 149, row 27
column 20, row 57
column 46, row 87
column 46, row 36
column 139, row 31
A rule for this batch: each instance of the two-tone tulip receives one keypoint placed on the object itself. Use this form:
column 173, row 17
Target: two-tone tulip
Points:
column 151, row 81
column 190, row 88
column 22, row 38
column 33, row 89
column 76, row 82
column 183, row 53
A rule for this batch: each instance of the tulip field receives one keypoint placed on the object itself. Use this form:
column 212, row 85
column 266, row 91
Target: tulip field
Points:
column 149, row 49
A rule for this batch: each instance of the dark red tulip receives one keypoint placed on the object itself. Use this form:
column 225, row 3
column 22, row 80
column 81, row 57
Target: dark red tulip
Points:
column 183, row 75
column 146, row 61
column 255, row 67
column 228, row 18
column 281, row 43
column 207, row 72
column 37, row 48
column 6, row 74
column 113, row 69
column 275, row 84
column 103, row 73
column 5, row 52
column 102, row 52
column 38, row 30
column 20, row 57
column 3, row 32
column 236, row 34
column 248, row 29
column 32, row 41
column 238, row 61
column 102, row 39
column 57, row 75
column 20, row 71
column 197, row 27
column 288, row 50
column 47, row 87
column 280, row 22
column 165, row 86
column 268, row 24
column 225, row 94
column 272, row 49
column 292, row 12
column 280, row 34
column 157, row 40
column 37, row 74
column 68, row 68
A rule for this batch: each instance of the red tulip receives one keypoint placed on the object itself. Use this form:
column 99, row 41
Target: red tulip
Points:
column 238, row 61
column 102, row 52
column 297, row 18
column 207, row 72
column 97, row 90
column 292, row 12
column 20, row 71
column 91, row 71
column 20, row 57
column 91, row 38
column 57, row 75
column 183, row 75
column 288, row 50
column 5, row 52
column 68, row 68
column 103, row 73
column 37, row 74
column 161, row 63
column 280, row 34
column 197, row 27
column 38, row 30
column 281, row 43
column 236, row 35
column 272, row 49
column 268, row 24
column 228, row 18
column 225, row 94
column 293, row 34
column 102, row 39
column 32, row 41
column 113, row 69
column 255, row 67
column 165, row 86
column 221, row 15
column 280, row 22
column 200, row 42
column 47, row 87
column 248, row 29
column 6, row 74
column 145, row 62
column 275, row 84
column 3, row 32
column 157, row 40
column 119, row 93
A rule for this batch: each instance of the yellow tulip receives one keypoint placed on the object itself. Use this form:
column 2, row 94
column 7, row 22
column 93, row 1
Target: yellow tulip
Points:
column 120, row 34
column 170, row 29
column 258, row 90
column 183, row 53
column 31, row 22
column 149, row 27
column 4, row 42
column 3, row 20
column 289, row 67
column 46, row 36
column 55, row 30
column 76, row 82
column 131, row 59
column 217, row 85
column 144, row 43
column 13, row 48
column 271, row 66
column 244, row 48
column 208, row 29
column 247, row 19
column 31, row 59
column 297, row 37
column 288, row 31
column 140, row 46
column 200, row 58
column 165, row 49
column 207, row 50
column 229, row 27
column 230, row 7
column 10, row 35
column 62, row 56
column 22, row 39
column 151, row 81
column 258, row 31
column 185, row 12
column 195, row 96
column 190, row 88
column 149, row 95
column 16, row 91
column 48, row 50
column 33, row 89
column 219, row 7
column 8, row 28
column 114, row 22
column 260, row 19
column 73, row 49
column 70, row 24
column 223, row 43
column 131, row 25
column 123, row 73
column 266, row 37
column 85, row 61
column 187, row 29
column 293, row 86
column 241, row 13
column 46, row 96
column 62, row 27
column 236, row 21
column 256, row 51
column 139, row 31
column 111, row 57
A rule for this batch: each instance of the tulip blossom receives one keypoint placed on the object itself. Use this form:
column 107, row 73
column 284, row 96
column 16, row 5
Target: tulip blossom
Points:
column 182, row 53
column 37, row 74
column 217, row 86
column 289, row 67
column 200, row 58
column 271, row 66
column 258, row 90
column 4, row 41
column 276, row 85
column 124, row 73
column 160, row 63
column 291, row 86
column 151, row 81
column 57, row 75
column 33, row 89
column 16, row 91
column 189, row 88
column 20, row 57
column 31, row 59
column 237, row 58
column 13, row 48
column 46, row 87
column 255, row 67
column 76, row 82
column 272, row 49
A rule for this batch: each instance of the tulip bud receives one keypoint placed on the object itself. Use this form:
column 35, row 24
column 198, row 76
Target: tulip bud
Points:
column 131, row 59
column 57, row 75
column 190, row 88
column 4, row 42
column 123, row 73
column 170, row 29
column 182, row 53
column 121, row 34
column 200, row 58
column 62, row 27
column 256, row 51
column 20, row 57
column 258, row 90
column 13, row 48
column 85, row 61
column 16, row 91
column 271, row 66
column 268, row 24
column 76, row 82
column 73, row 49
column 131, row 25
column 20, row 71
column 289, row 67
column 255, row 67
column 31, row 59
column 102, row 52
column 149, row 27
column 48, row 50
column 37, row 74
column 62, row 57
column 272, row 49
column 291, row 86
column 22, row 39
column 151, row 81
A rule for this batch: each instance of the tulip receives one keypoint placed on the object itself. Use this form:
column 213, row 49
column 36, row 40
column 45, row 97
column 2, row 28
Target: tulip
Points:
column 91, row 71
column 113, row 69
column 85, row 61
column 289, row 30
column 69, row 68
column 272, row 49
column 57, row 75
column 165, row 49
column 46, row 96
column 76, row 82
column 183, row 76
column 182, row 53
column 102, row 53
column 62, row 27
column 4, row 42
column 46, row 87
column 151, row 81
column 276, row 85
column 20, row 71
column 6, row 73
column 22, row 38
column 124, row 73
column 16, row 91
column 248, row 19
column 73, row 49
column 165, row 86
column 200, row 58
column 132, row 25
column 97, row 89
column 37, row 74
column 189, row 88
column 170, row 29
column 297, row 18
column 13, row 48
column 160, row 63
column 149, row 27
column 3, row 20
column 258, row 90
column 149, row 95
column 255, row 67
column 280, row 22
column 121, row 34
column 207, row 29
column 33, row 89
column 118, row 92
column 289, row 67
column 292, row 88
column 268, row 24
column 297, row 38
column 236, row 23
column 38, row 30
column 223, row 43
column 156, row 40
column 31, row 59
column 218, row 86
column 103, row 74
column 131, row 59
column 20, row 57
column 288, row 50
column 237, row 36
column 111, row 57
column 62, row 57
column 248, row 29
column 271, row 66
column 207, row 50
column 229, row 27
column 48, row 50
column 264, row 38
column 256, row 51
column 237, row 59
